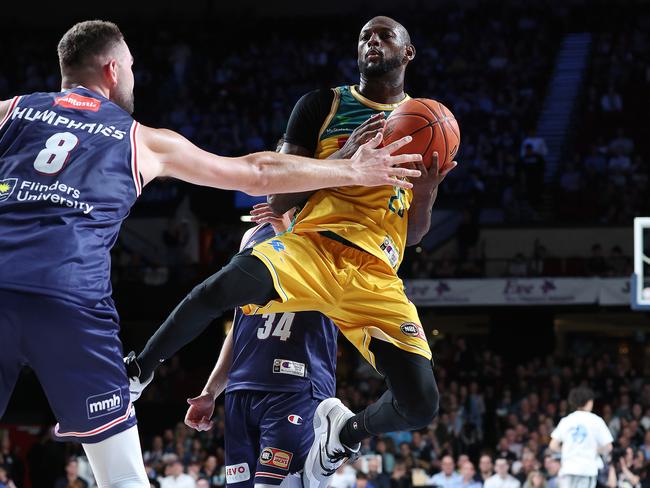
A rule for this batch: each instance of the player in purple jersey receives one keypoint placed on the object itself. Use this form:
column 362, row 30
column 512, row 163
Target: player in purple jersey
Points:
column 275, row 369
column 72, row 163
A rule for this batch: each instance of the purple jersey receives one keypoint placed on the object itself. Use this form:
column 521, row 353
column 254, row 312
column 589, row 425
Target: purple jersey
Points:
column 283, row 352
column 68, row 178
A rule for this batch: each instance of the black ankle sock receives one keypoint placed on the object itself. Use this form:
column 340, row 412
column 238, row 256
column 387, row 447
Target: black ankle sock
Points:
column 354, row 431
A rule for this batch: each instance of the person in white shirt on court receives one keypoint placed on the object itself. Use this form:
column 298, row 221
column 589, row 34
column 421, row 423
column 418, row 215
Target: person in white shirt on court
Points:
column 582, row 437
column 502, row 477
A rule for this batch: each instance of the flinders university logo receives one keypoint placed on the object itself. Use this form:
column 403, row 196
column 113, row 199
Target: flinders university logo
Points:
column 7, row 188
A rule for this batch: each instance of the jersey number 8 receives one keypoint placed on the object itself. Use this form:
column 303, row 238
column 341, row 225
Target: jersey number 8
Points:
column 56, row 153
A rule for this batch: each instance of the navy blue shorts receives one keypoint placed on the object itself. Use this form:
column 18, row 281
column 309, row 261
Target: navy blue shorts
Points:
column 76, row 355
column 268, row 432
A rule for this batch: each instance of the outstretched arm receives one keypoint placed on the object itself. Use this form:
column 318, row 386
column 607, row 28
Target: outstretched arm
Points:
column 201, row 407
column 362, row 134
column 162, row 152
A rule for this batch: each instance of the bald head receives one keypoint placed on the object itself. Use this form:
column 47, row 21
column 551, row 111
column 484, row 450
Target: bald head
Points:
column 393, row 24
column 384, row 48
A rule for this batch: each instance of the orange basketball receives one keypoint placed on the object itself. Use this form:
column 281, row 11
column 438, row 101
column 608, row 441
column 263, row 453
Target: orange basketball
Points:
column 432, row 126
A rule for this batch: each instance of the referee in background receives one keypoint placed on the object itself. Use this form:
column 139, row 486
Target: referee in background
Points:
column 582, row 437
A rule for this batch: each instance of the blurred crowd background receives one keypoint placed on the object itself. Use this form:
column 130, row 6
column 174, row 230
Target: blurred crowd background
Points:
column 229, row 85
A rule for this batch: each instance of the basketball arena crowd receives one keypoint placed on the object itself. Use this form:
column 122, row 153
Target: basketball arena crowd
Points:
column 232, row 98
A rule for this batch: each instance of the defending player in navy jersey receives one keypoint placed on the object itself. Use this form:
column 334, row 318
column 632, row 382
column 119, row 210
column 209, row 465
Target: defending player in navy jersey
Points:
column 72, row 163
column 275, row 368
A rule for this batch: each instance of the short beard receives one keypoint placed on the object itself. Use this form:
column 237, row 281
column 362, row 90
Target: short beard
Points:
column 379, row 69
column 125, row 100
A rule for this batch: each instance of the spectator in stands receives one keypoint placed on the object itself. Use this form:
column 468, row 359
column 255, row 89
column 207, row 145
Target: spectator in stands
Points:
column 175, row 478
column 621, row 144
column 596, row 162
column 447, row 477
column 375, row 478
column 485, row 468
column 536, row 144
column 622, row 473
column 611, row 101
column 400, row 478
column 10, row 460
column 155, row 454
column 535, row 479
column 502, row 478
column 528, row 465
column 552, row 468
column 387, row 457
column 645, row 447
column 5, row 481
column 467, row 473
column 532, row 165
column 571, row 183
column 518, row 267
column 71, row 478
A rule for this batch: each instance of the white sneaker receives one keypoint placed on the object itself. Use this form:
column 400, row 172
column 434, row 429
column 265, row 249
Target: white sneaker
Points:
column 136, row 386
column 327, row 453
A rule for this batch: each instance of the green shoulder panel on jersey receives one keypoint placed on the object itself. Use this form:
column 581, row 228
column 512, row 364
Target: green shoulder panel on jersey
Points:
column 349, row 110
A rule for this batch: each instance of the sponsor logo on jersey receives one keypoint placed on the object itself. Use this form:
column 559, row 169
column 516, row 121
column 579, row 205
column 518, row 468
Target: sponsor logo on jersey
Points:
column 236, row 473
column 295, row 419
column 56, row 193
column 277, row 244
column 271, row 456
column 73, row 100
column 413, row 330
column 284, row 366
column 7, row 188
column 390, row 250
column 104, row 403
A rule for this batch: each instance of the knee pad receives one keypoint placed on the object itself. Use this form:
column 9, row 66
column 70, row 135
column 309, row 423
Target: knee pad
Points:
column 422, row 407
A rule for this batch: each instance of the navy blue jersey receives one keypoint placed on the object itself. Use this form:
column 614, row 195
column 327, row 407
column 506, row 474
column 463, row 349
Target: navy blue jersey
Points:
column 283, row 352
column 68, row 178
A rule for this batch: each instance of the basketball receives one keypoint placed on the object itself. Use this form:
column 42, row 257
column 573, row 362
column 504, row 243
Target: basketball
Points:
column 432, row 126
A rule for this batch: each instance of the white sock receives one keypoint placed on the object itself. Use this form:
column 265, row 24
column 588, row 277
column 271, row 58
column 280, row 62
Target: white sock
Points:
column 117, row 461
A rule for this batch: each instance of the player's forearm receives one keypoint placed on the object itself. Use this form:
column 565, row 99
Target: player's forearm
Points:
column 219, row 377
column 555, row 445
column 283, row 202
column 605, row 449
column 419, row 218
column 287, row 173
column 191, row 317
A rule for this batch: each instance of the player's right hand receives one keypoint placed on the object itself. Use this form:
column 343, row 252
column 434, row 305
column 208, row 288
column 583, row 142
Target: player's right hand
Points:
column 362, row 134
column 200, row 412
column 375, row 166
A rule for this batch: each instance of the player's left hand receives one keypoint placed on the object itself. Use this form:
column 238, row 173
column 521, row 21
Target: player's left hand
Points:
column 200, row 412
column 430, row 178
column 262, row 213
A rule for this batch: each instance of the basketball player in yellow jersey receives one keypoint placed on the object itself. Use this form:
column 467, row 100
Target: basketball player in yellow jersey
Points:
column 340, row 258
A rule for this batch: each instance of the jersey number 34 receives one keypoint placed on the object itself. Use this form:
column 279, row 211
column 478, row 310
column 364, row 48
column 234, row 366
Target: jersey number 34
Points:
column 281, row 329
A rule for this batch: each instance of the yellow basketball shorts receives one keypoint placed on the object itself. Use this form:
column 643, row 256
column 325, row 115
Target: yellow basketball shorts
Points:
column 360, row 293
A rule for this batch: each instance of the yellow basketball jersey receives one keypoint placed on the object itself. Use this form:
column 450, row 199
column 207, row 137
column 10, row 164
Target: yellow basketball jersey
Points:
column 373, row 218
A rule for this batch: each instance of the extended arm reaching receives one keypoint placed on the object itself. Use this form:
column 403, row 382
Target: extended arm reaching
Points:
column 162, row 152
column 201, row 407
